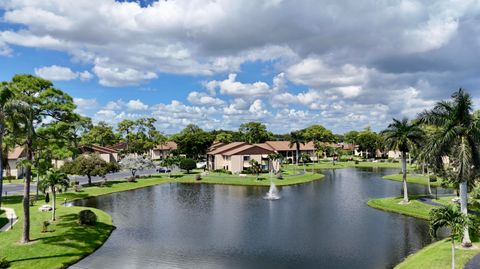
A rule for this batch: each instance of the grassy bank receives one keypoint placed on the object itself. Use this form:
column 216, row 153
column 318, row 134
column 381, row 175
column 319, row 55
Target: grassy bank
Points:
column 330, row 165
column 391, row 204
column 417, row 179
column 64, row 244
column 439, row 256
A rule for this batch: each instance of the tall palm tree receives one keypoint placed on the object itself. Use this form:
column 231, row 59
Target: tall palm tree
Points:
column 297, row 138
column 449, row 217
column 404, row 136
column 457, row 136
column 275, row 158
column 5, row 98
column 54, row 181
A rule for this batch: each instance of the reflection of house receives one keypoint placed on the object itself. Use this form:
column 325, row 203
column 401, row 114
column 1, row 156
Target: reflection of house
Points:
column 162, row 151
column 13, row 158
column 236, row 156
column 107, row 154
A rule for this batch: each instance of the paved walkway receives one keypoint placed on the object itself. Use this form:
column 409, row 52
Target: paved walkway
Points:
column 10, row 213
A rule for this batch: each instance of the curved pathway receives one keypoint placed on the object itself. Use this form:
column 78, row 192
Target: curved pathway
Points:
column 12, row 219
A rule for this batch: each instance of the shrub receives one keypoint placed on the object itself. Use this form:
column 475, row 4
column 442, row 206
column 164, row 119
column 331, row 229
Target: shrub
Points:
column 198, row 177
column 433, row 178
column 279, row 175
column 45, row 225
column 188, row 165
column 357, row 162
column 9, row 178
column 131, row 179
column 4, row 263
column 87, row 217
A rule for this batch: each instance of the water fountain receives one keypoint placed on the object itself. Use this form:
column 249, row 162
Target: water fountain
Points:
column 272, row 193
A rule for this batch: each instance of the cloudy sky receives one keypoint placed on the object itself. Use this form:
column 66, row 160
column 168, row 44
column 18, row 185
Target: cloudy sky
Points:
column 218, row 63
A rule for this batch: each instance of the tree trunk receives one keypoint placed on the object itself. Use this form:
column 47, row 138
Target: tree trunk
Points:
column 429, row 187
column 297, row 154
column 463, row 208
column 53, row 203
column 26, row 197
column 404, row 176
column 453, row 254
column 89, row 180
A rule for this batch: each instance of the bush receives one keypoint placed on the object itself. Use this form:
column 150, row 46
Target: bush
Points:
column 4, row 263
column 357, row 162
column 279, row 175
column 9, row 178
column 198, row 177
column 45, row 225
column 87, row 217
column 188, row 165
column 131, row 179
column 433, row 178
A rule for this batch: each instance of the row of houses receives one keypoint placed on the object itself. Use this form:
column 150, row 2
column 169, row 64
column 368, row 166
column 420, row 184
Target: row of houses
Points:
column 108, row 154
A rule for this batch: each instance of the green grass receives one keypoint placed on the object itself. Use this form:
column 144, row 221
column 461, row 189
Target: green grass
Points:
column 417, row 179
column 64, row 244
column 361, row 164
column 3, row 218
column 392, row 204
column 438, row 255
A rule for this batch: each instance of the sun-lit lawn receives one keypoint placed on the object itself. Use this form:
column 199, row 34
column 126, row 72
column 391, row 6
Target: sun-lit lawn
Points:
column 345, row 164
column 438, row 256
column 417, row 179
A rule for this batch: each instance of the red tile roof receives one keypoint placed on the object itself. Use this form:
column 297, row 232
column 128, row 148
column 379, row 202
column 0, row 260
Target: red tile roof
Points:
column 170, row 145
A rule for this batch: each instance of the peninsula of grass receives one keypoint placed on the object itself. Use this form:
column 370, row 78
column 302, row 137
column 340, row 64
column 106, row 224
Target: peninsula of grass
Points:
column 439, row 255
column 417, row 179
column 392, row 204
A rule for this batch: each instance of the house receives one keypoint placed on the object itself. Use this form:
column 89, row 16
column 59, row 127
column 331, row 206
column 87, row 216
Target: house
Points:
column 14, row 156
column 107, row 154
column 236, row 156
column 290, row 152
column 162, row 151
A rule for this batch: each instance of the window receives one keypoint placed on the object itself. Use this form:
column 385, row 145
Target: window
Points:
column 246, row 158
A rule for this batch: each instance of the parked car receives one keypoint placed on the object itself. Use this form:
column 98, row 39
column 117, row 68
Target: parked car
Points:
column 163, row 169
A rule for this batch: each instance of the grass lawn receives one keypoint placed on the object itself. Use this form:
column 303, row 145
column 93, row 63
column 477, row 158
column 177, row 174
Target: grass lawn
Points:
column 417, row 179
column 3, row 218
column 64, row 244
column 439, row 256
column 391, row 204
column 329, row 165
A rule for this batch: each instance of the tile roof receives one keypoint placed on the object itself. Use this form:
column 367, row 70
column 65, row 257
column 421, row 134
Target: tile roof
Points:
column 285, row 146
column 248, row 150
column 96, row 148
column 170, row 145
column 226, row 147
column 15, row 153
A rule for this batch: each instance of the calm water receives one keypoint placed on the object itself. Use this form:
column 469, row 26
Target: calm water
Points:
column 323, row 224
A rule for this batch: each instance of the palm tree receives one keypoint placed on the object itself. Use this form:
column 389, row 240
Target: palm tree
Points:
column 451, row 218
column 256, row 167
column 457, row 136
column 5, row 98
column 54, row 181
column 275, row 158
column 404, row 136
column 297, row 138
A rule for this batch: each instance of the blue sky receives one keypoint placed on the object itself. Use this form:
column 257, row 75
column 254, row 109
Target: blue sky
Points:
column 288, row 64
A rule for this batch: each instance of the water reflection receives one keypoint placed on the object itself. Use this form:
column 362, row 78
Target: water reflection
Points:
column 322, row 224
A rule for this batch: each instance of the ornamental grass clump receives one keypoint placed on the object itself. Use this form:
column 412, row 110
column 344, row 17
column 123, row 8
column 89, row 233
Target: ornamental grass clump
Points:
column 87, row 217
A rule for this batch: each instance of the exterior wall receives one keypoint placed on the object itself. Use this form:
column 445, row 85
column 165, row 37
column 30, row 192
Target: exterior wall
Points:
column 13, row 171
column 236, row 164
column 394, row 154
column 157, row 154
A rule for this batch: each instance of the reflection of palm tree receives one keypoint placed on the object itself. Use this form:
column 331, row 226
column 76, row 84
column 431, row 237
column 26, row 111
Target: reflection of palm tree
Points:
column 405, row 137
column 457, row 136
column 450, row 217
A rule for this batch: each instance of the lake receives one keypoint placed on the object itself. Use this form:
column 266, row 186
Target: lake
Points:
column 321, row 224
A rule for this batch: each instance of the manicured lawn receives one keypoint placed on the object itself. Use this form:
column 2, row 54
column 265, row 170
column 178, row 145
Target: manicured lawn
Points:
column 438, row 255
column 64, row 244
column 417, row 179
column 391, row 204
column 329, row 165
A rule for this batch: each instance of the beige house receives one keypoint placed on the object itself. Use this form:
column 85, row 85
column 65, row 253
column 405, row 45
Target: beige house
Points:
column 162, row 151
column 107, row 154
column 290, row 152
column 236, row 156
column 14, row 156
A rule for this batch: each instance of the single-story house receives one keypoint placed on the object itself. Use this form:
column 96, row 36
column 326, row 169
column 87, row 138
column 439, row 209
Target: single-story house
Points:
column 236, row 156
column 107, row 154
column 13, row 158
column 162, row 151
